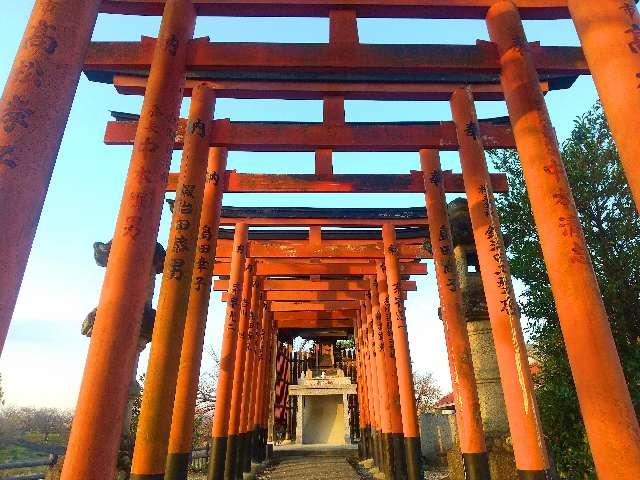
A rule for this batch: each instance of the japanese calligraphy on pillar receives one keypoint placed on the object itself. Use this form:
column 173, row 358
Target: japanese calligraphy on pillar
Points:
column 379, row 326
column 183, row 233
column 385, row 307
column 204, row 260
column 397, row 293
column 260, row 336
column 496, row 247
column 389, row 327
column 233, row 306
column 371, row 332
column 629, row 8
column 443, row 251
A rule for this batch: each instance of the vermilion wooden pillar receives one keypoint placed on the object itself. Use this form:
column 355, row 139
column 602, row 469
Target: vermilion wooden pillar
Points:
column 612, row 427
column 609, row 32
column 363, row 445
column 268, row 404
column 34, row 108
column 468, row 419
column 504, row 315
column 154, row 425
column 373, row 384
column 377, row 342
column 180, row 440
column 250, row 371
column 231, row 468
column 410, row 426
column 220, row 428
column 370, row 382
column 395, row 411
column 259, row 428
column 93, row 444
column 258, row 341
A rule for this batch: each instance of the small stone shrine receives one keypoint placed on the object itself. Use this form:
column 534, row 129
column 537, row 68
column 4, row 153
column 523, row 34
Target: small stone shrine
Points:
column 323, row 413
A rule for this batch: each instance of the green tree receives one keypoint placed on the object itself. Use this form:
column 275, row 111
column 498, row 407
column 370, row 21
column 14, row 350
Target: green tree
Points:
column 1, row 393
column 612, row 231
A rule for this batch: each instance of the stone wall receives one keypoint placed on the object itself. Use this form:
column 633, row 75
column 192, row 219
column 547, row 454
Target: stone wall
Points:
column 323, row 419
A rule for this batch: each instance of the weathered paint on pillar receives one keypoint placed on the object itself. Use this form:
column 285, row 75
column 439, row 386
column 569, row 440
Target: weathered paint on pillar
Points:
column 154, row 425
column 181, row 438
column 231, row 462
column 92, row 447
column 611, row 424
column 220, row 427
column 410, row 427
column 468, row 419
column 522, row 412
column 34, row 109
column 609, row 32
column 395, row 411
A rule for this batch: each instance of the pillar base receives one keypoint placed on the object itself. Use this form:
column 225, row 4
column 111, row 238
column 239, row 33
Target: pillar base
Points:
column 365, row 438
column 262, row 447
column 398, row 459
column 413, row 455
column 231, row 461
column 245, row 451
column 387, row 455
column 256, row 439
column 476, row 466
column 144, row 476
column 379, row 458
column 534, row 475
column 217, row 458
column 500, row 457
column 177, row 466
column 230, row 464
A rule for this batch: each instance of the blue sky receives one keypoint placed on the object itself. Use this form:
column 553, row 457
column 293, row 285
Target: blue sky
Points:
column 44, row 354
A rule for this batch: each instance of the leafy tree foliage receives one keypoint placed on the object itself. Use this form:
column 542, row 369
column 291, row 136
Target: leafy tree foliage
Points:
column 1, row 393
column 612, row 231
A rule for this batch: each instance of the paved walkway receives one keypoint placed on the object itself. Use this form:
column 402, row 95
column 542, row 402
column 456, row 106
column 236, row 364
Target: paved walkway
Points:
column 311, row 462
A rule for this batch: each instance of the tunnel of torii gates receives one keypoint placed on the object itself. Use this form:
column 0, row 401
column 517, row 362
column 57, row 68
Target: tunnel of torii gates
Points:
column 34, row 108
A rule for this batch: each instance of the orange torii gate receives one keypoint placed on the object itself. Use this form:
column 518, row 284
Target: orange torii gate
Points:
column 36, row 103
column 292, row 245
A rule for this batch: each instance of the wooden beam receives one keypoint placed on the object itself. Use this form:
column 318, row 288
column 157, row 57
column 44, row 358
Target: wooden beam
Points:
column 312, row 315
column 406, row 235
column 307, row 296
column 296, row 323
column 472, row 9
column 271, row 284
column 327, row 249
column 310, row 296
column 247, row 89
column 327, row 306
column 308, row 137
column 348, row 183
column 322, row 62
column 283, row 268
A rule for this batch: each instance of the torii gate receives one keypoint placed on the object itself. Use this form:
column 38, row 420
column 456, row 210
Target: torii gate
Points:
column 388, row 438
column 38, row 97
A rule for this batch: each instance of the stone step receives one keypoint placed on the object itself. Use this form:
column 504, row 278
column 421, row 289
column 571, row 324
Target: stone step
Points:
column 309, row 465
